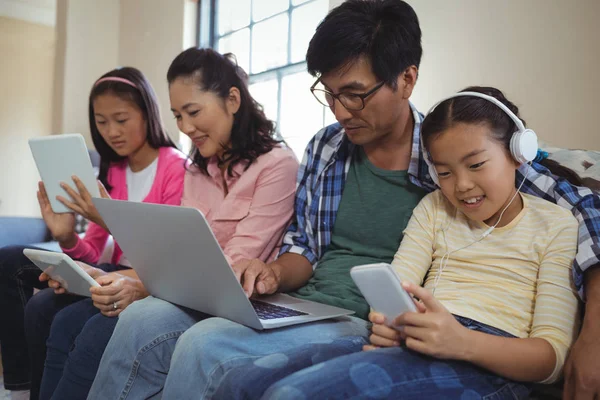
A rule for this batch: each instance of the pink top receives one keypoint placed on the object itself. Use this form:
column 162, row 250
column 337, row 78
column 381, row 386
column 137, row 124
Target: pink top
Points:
column 248, row 222
column 166, row 189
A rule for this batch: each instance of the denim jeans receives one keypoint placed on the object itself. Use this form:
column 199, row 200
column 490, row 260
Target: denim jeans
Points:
column 27, row 319
column 137, row 358
column 39, row 314
column 161, row 350
column 389, row 373
column 77, row 340
column 18, row 277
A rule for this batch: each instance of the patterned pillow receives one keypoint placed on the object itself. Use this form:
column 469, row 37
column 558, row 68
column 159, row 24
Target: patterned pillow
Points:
column 81, row 224
column 586, row 163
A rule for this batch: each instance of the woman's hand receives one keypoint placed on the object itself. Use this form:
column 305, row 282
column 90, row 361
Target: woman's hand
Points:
column 82, row 201
column 56, row 285
column 61, row 226
column 435, row 332
column 117, row 292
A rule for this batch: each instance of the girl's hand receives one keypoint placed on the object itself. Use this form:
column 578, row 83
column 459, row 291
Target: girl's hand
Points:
column 117, row 290
column 61, row 226
column 435, row 332
column 82, row 201
column 384, row 336
column 57, row 286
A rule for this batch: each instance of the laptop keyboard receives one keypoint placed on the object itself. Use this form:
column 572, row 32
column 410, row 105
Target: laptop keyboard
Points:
column 272, row 311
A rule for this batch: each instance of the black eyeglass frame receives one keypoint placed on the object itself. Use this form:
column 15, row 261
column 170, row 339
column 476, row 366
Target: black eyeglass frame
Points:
column 361, row 96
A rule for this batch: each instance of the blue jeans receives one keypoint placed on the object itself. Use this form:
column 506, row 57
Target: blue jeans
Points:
column 77, row 340
column 161, row 350
column 388, row 373
column 39, row 314
column 18, row 277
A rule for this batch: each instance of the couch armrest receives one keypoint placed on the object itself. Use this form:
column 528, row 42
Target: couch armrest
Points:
column 22, row 231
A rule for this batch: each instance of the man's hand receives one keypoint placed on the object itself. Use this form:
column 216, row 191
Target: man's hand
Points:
column 256, row 277
column 582, row 369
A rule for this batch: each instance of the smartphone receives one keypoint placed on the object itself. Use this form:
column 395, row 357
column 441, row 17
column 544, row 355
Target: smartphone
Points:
column 383, row 290
column 62, row 269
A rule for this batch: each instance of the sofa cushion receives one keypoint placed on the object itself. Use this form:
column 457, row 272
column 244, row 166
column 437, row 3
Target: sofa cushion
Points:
column 22, row 230
column 586, row 163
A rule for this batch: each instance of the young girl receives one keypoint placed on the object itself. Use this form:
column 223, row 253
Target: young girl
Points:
column 505, row 309
column 241, row 179
column 139, row 162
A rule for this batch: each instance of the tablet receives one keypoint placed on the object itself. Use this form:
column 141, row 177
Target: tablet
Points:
column 383, row 290
column 58, row 158
column 62, row 269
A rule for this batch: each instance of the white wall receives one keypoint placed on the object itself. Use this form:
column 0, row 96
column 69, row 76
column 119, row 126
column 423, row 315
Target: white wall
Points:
column 334, row 3
column 88, row 37
column 26, row 72
column 544, row 54
column 152, row 34
column 96, row 36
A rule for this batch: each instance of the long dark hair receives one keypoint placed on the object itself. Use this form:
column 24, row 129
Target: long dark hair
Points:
column 386, row 32
column 144, row 97
column 475, row 110
column 252, row 133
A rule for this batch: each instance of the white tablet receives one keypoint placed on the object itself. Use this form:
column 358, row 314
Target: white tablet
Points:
column 58, row 158
column 63, row 269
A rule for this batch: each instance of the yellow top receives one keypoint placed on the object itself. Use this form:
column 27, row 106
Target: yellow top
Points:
column 517, row 279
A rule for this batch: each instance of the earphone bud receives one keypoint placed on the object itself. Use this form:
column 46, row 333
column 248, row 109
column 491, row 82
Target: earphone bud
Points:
column 487, row 232
column 523, row 143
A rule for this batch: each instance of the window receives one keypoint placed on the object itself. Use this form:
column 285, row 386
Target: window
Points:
column 269, row 39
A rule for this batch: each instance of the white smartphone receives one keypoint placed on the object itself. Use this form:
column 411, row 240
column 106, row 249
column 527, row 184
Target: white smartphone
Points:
column 383, row 290
column 58, row 158
column 62, row 269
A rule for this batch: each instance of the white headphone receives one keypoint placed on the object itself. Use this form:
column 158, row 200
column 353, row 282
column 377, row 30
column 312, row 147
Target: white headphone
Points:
column 523, row 143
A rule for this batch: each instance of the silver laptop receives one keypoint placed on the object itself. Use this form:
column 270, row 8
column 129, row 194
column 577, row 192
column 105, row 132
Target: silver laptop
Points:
column 176, row 255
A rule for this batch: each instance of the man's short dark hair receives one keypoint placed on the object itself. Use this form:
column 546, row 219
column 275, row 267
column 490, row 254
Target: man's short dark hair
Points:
column 387, row 32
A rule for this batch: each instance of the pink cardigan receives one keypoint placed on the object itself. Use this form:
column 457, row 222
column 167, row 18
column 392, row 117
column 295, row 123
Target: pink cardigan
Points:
column 166, row 189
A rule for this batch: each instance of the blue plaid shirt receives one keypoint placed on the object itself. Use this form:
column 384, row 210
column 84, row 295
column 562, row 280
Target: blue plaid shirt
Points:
column 323, row 173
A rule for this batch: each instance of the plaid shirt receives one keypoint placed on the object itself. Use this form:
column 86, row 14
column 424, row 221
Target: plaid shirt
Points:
column 323, row 173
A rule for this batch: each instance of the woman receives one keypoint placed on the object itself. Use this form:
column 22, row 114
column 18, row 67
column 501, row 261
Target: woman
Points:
column 138, row 162
column 241, row 179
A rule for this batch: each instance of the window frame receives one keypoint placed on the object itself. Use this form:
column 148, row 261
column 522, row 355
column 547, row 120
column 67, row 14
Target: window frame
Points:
column 208, row 36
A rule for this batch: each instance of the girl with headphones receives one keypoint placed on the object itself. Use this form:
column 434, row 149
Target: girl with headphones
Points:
column 505, row 310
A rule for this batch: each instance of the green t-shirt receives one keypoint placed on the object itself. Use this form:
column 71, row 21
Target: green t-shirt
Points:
column 374, row 211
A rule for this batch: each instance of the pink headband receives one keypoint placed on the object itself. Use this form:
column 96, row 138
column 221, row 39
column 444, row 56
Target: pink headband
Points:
column 115, row 79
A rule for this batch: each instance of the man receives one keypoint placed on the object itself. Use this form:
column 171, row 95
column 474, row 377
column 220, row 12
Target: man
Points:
column 357, row 186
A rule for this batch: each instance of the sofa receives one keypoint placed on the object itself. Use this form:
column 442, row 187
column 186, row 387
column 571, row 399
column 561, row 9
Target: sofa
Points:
column 33, row 231
column 26, row 231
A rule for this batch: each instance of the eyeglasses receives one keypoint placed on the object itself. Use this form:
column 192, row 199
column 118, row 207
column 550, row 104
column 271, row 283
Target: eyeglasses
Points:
column 351, row 101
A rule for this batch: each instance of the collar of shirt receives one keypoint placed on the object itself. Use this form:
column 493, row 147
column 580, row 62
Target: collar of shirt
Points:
column 340, row 148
